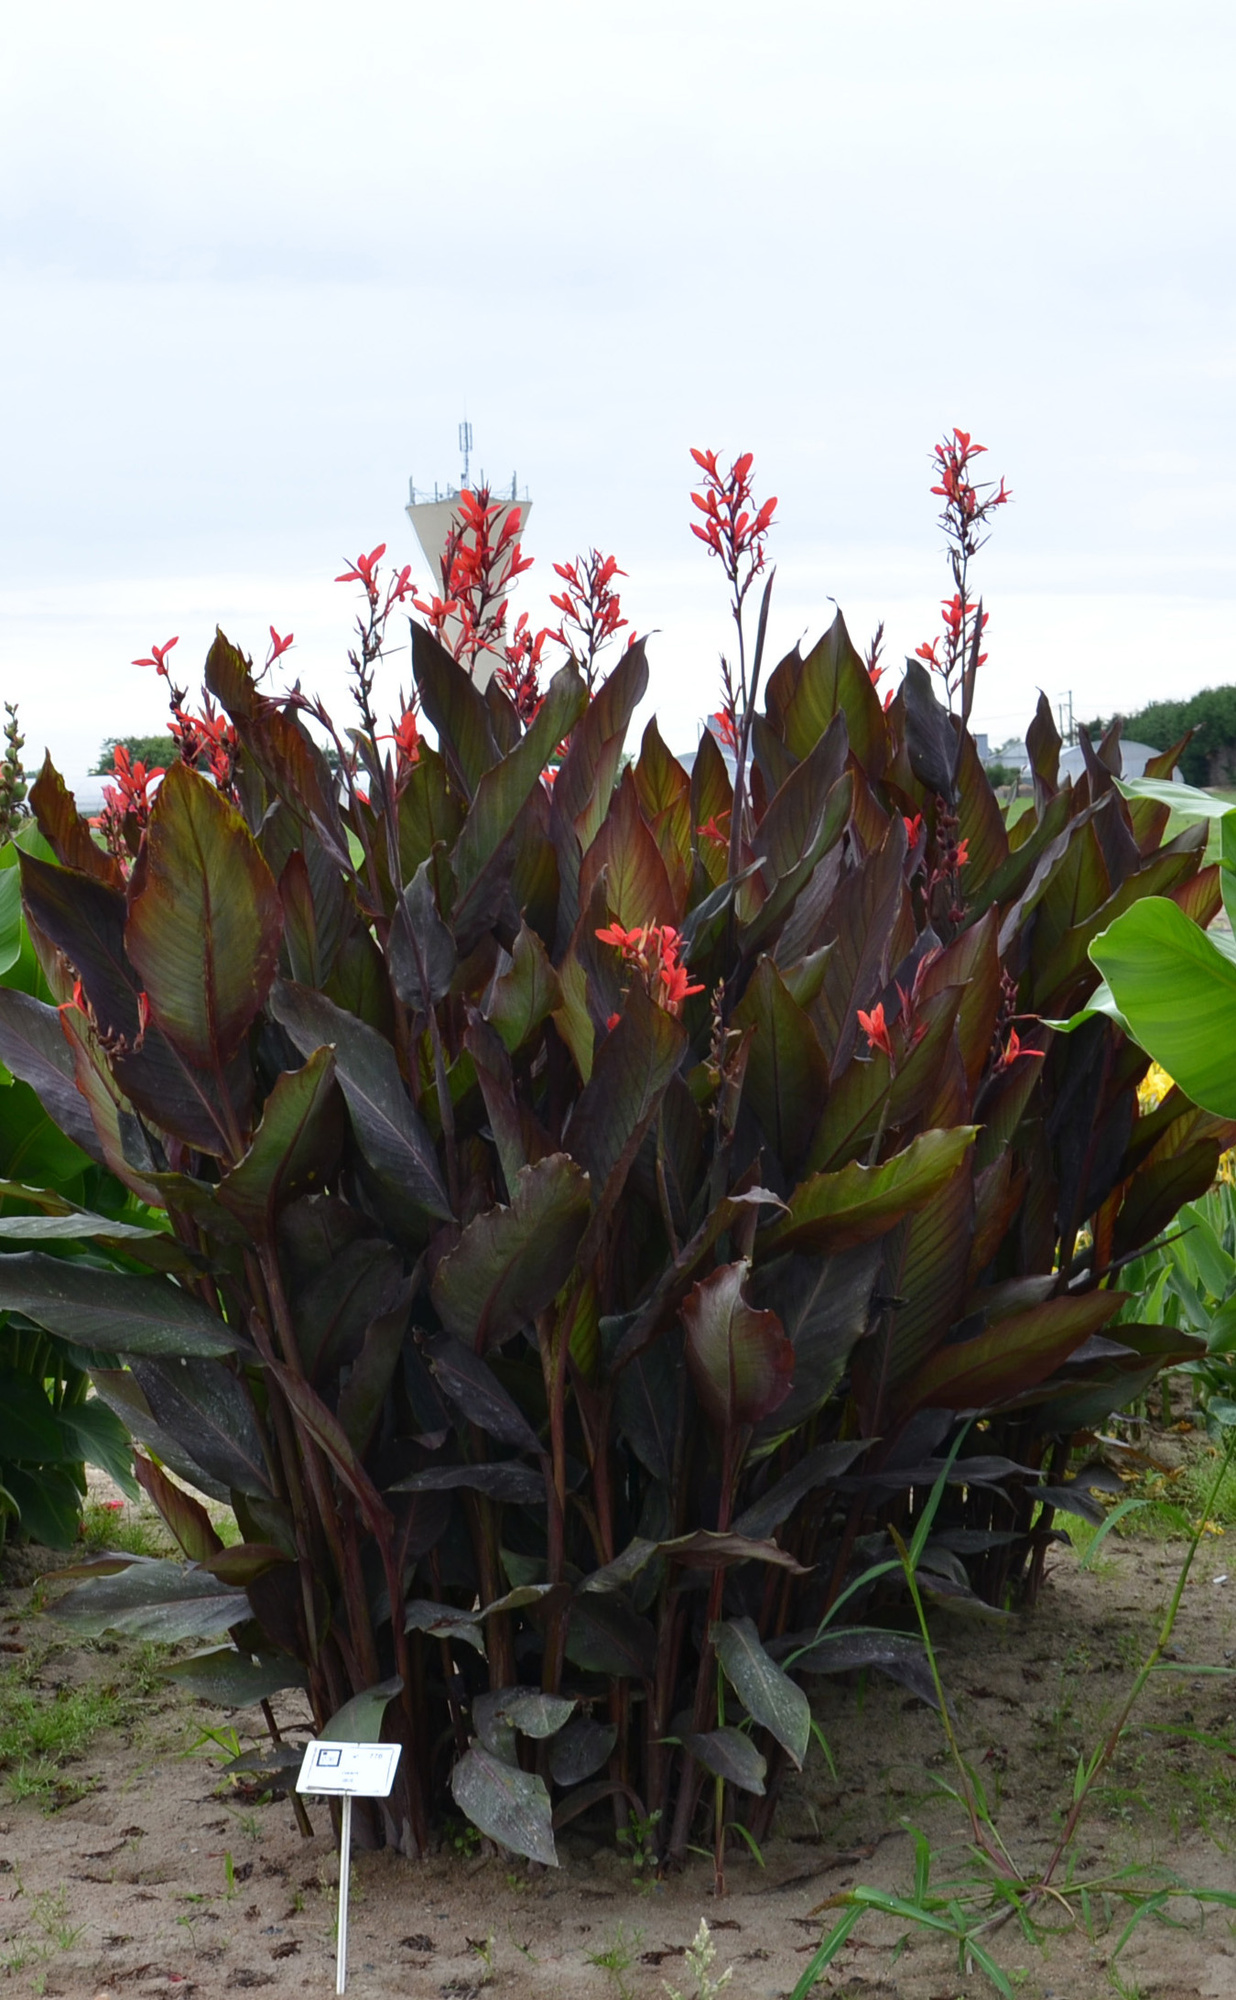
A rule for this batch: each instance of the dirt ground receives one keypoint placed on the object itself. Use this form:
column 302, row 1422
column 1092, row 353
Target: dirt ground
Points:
column 145, row 1873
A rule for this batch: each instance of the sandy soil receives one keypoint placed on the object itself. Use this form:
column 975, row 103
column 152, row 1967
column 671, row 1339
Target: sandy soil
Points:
column 121, row 1884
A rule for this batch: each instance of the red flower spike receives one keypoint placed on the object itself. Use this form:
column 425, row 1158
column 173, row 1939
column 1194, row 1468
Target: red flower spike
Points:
column 652, row 952
column 591, row 609
column 873, row 1026
column 967, row 509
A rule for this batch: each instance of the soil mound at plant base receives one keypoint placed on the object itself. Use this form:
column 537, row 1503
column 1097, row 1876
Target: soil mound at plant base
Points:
column 138, row 1870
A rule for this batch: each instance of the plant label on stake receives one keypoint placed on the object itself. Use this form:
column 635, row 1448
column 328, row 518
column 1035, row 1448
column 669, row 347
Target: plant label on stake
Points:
column 347, row 1771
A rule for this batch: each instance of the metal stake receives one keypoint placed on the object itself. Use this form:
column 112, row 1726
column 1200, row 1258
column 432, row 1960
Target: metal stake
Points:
column 345, row 1869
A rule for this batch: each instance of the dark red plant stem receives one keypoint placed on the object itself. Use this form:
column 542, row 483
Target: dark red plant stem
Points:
column 704, row 1687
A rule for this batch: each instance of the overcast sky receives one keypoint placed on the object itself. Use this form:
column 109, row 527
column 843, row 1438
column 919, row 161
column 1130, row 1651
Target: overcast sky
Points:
column 258, row 259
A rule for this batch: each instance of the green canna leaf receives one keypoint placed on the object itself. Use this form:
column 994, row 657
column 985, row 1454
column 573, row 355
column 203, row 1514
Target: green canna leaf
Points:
column 294, row 1149
column 637, row 887
column 204, row 928
column 835, row 1211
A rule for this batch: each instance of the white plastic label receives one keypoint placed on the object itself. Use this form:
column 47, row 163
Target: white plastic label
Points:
column 350, row 1770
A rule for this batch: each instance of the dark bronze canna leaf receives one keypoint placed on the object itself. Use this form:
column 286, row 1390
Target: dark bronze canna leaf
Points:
column 741, row 1363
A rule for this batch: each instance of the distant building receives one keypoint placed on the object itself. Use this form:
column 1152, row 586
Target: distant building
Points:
column 1134, row 758
column 687, row 757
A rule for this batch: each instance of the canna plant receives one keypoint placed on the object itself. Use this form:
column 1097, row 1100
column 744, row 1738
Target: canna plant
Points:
column 599, row 1194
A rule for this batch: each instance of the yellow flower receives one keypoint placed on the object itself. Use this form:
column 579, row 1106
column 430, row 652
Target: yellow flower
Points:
column 1151, row 1091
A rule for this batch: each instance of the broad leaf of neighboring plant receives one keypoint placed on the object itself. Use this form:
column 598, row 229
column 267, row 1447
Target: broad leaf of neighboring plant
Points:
column 1175, row 986
column 360, row 1720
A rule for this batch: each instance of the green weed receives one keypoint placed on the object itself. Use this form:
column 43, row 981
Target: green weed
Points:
column 49, row 1912
column 994, row 1891
column 638, row 1839
column 618, row 1956
column 41, row 1732
column 128, row 1529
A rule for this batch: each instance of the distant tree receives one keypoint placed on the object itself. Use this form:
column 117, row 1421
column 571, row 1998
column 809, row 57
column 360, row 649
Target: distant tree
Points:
column 1210, row 758
column 1001, row 774
column 161, row 750
column 147, row 750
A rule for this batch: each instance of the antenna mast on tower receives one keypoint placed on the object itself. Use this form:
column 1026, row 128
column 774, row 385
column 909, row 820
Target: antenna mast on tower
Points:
column 465, row 446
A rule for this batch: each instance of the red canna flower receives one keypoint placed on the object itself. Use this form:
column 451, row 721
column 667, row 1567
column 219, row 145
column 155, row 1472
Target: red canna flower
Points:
column 77, row 1005
column 652, row 951
column 711, row 830
column 160, row 653
column 277, row 646
column 363, row 571
column 408, row 737
column 873, row 1026
column 624, row 940
column 126, row 798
